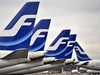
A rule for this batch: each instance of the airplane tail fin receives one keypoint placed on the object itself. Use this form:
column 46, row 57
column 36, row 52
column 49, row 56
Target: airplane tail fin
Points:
column 58, row 46
column 70, row 46
column 17, row 33
column 81, row 55
column 22, row 53
column 30, row 8
column 39, row 35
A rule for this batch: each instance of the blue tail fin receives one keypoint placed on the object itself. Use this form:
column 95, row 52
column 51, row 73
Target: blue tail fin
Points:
column 81, row 55
column 70, row 46
column 18, row 31
column 39, row 35
column 58, row 46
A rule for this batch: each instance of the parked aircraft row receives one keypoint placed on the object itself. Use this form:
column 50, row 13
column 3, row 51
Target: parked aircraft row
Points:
column 22, row 45
column 85, row 63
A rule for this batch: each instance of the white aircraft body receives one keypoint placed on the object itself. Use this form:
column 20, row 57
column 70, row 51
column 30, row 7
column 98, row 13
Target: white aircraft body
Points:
column 84, row 60
column 21, row 33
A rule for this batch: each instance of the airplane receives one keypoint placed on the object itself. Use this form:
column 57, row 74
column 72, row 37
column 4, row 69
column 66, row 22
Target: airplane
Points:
column 39, row 39
column 10, row 38
column 84, row 60
column 61, row 37
column 13, row 37
column 35, row 61
column 61, row 55
column 18, row 32
column 21, row 33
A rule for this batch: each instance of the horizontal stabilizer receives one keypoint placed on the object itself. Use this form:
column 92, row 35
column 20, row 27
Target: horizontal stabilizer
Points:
column 40, row 59
column 82, row 63
column 85, row 63
column 59, row 61
column 22, row 53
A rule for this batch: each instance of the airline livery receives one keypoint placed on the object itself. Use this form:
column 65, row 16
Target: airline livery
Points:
column 22, row 45
column 84, row 59
column 19, row 31
column 60, row 58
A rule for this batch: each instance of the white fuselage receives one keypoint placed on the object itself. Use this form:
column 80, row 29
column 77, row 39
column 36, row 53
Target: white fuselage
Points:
column 92, row 64
column 44, row 67
column 19, row 67
column 6, row 63
column 10, row 64
column 93, row 71
column 26, row 65
column 38, row 69
column 30, row 65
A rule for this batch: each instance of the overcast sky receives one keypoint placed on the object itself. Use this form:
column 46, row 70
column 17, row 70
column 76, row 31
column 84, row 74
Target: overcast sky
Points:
column 81, row 16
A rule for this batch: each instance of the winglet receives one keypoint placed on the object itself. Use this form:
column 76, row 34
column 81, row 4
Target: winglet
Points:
column 22, row 53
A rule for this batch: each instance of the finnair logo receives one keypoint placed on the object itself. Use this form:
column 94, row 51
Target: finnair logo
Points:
column 58, row 43
column 38, row 34
column 70, row 43
column 78, row 49
column 17, row 26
